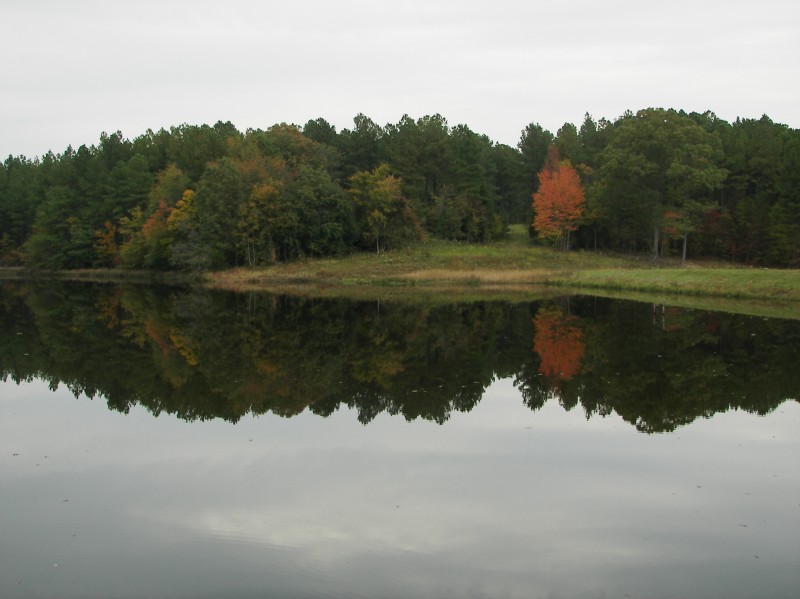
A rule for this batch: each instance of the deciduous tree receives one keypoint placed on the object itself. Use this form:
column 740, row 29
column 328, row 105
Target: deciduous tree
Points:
column 383, row 214
column 558, row 203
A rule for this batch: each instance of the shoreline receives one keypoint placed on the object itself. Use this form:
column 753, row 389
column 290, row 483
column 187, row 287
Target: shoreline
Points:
column 761, row 292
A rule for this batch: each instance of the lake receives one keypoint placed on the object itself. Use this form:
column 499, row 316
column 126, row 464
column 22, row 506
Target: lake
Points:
column 188, row 443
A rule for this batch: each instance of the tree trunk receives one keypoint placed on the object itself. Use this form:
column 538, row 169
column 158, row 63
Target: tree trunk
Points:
column 683, row 253
column 655, row 241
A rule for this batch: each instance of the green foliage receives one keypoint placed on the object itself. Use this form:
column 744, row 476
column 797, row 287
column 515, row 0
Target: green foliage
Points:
column 661, row 180
column 462, row 217
column 511, row 183
column 568, row 143
column 132, row 251
column 656, row 161
column 320, row 131
column 385, row 217
column 129, row 184
column 168, row 188
column 784, row 233
column 62, row 238
column 325, row 215
column 19, row 199
column 363, row 146
column 211, row 229
column 192, row 148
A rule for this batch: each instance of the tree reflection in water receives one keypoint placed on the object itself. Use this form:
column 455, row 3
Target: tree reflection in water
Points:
column 200, row 354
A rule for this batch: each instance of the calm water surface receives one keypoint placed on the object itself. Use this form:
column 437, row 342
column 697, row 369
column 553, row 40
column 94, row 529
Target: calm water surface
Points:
column 208, row 445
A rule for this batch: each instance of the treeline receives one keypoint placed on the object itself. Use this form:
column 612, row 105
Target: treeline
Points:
column 200, row 197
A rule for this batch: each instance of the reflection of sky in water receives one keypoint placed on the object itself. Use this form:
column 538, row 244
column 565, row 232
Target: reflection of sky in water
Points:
column 501, row 501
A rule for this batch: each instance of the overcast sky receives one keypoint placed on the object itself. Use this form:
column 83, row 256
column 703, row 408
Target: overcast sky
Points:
column 74, row 69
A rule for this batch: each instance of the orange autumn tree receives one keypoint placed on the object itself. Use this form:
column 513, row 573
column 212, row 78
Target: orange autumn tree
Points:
column 558, row 203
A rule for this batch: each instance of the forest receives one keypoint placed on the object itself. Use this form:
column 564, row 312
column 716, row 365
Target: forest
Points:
column 661, row 182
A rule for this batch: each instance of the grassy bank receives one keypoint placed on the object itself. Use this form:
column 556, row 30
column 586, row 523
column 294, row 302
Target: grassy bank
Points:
column 511, row 269
column 734, row 283
column 513, row 264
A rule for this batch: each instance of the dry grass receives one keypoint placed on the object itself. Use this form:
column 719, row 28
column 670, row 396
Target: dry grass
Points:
column 479, row 275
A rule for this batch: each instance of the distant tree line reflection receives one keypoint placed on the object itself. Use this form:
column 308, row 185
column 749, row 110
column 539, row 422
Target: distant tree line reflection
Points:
column 200, row 355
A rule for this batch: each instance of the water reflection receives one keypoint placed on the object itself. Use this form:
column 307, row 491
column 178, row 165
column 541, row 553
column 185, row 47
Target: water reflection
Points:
column 515, row 496
column 205, row 355
column 501, row 502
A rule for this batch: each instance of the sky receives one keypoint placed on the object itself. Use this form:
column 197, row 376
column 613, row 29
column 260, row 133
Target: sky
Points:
column 72, row 70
